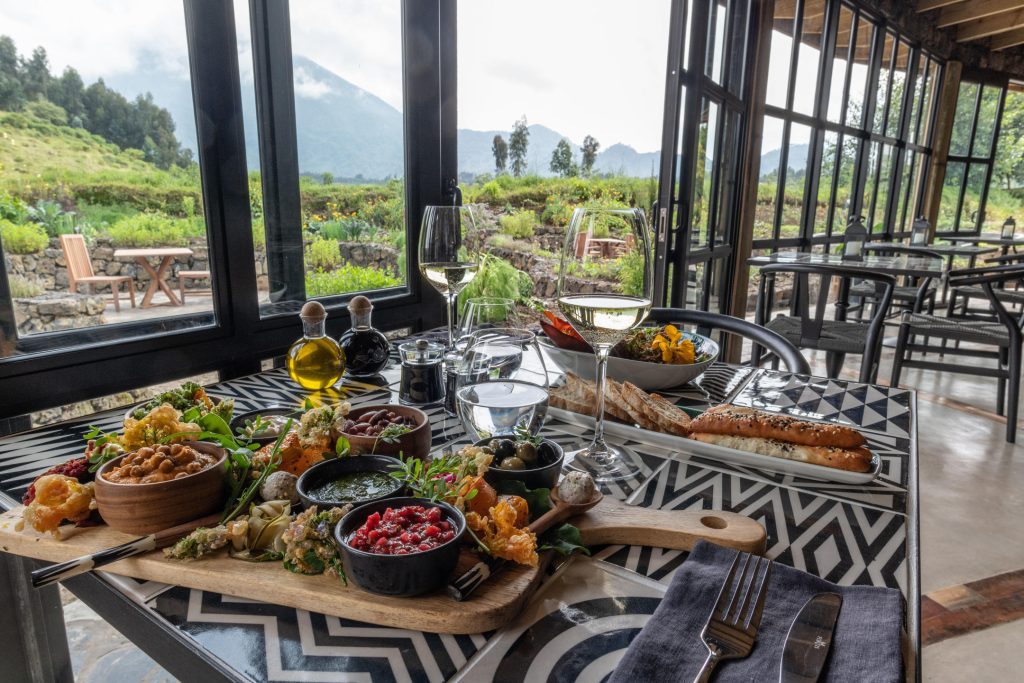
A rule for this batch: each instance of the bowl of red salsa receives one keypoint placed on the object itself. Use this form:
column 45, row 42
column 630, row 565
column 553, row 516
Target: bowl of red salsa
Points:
column 400, row 546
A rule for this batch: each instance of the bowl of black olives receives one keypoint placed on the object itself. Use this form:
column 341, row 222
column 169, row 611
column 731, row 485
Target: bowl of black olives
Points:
column 534, row 461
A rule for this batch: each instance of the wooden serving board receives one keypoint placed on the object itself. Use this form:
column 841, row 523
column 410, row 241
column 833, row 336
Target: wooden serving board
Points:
column 493, row 605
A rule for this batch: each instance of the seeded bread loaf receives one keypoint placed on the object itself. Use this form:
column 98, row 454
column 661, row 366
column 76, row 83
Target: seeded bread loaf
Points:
column 730, row 420
column 851, row 460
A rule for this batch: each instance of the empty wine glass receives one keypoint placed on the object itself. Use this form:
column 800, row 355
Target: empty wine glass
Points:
column 447, row 259
column 486, row 312
column 602, row 319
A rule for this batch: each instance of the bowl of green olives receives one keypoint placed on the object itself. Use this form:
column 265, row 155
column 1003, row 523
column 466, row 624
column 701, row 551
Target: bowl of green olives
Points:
column 534, row 461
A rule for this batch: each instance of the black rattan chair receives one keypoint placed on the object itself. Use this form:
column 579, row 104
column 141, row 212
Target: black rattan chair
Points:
column 808, row 328
column 706, row 322
column 1004, row 335
column 960, row 298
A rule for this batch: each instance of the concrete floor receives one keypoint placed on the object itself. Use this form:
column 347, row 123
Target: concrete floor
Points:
column 972, row 496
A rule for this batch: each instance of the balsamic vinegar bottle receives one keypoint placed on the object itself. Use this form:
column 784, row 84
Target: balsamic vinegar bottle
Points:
column 366, row 349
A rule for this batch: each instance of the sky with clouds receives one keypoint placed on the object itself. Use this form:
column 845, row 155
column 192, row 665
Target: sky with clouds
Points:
column 580, row 67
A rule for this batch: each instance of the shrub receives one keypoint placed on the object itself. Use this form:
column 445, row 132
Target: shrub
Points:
column 520, row 224
column 490, row 193
column 12, row 208
column 347, row 278
column 22, row 288
column 323, row 254
column 47, row 111
column 346, row 229
column 52, row 217
column 24, row 238
column 631, row 273
column 154, row 230
column 499, row 278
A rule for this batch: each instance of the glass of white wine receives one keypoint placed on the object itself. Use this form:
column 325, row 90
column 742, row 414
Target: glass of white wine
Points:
column 447, row 254
column 604, row 319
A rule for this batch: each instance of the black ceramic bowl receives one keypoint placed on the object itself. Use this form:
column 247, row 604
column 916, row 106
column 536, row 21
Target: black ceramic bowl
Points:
column 331, row 469
column 399, row 575
column 545, row 476
column 238, row 422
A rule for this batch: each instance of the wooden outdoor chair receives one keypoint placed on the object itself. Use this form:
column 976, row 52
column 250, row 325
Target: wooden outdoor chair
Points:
column 185, row 275
column 80, row 271
column 585, row 247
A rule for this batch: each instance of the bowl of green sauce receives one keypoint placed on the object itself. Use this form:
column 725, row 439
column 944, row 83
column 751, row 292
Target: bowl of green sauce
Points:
column 358, row 479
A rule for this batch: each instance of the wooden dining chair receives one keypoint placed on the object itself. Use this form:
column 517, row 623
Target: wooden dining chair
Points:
column 80, row 271
column 185, row 275
column 807, row 327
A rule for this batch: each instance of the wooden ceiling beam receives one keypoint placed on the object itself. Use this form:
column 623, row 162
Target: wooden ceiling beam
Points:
column 978, row 9
column 990, row 26
column 1002, row 41
column 929, row 5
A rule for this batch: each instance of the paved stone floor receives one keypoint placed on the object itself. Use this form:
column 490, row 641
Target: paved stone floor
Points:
column 972, row 496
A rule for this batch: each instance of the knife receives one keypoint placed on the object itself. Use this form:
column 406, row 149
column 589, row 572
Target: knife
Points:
column 809, row 639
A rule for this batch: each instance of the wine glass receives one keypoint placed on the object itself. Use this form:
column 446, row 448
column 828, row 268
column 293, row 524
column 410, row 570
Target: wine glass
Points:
column 446, row 259
column 601, row 319
column 486, row 312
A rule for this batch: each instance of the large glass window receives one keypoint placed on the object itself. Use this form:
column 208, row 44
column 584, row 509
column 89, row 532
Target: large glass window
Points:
column 864, row 142
column 1006, row 190
column 101, row 206
column 963, row 207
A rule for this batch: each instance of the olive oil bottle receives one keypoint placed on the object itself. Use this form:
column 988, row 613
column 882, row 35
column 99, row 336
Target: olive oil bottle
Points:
column 316, row 361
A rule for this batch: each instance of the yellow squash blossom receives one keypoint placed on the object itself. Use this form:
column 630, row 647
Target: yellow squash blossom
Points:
column 675, row 349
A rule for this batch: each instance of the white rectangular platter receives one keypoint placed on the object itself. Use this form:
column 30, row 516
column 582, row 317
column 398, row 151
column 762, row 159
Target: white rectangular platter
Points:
column 729, row 455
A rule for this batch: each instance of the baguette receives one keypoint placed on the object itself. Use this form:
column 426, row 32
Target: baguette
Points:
column 851, row 460
column 730, row 420
column 662, row 414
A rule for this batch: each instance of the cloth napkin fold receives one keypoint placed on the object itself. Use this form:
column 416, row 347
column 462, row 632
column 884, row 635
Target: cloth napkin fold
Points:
column 866, row 645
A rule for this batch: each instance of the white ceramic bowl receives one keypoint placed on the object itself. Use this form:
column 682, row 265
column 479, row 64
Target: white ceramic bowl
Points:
column 647, row 376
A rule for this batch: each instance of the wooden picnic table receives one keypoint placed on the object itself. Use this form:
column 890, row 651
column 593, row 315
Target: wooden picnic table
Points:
column 609, row 245
column 158, row 275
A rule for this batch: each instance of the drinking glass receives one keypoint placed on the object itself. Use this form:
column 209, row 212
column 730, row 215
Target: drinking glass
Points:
column 448, row 259
column 602, row 319
column 486, row 312
column 498, row 390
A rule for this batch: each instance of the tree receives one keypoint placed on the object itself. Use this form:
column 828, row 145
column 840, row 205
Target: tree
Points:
column 35, row 74
column 590, row 147
column 500, row 150
column 518, row 141
column 12, row 96
column 327, row 178
column 561, row 160
column 67, row 92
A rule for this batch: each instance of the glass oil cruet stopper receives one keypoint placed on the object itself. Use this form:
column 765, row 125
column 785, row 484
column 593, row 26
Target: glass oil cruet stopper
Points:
column 366, row 349
column 315, row 361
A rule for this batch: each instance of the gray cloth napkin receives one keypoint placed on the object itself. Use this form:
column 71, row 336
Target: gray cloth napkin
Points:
column 866, row 645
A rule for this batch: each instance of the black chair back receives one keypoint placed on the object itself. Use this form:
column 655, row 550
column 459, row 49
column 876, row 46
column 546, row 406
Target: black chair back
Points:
column 812, row 319
column 922, row 283
column 706, row 322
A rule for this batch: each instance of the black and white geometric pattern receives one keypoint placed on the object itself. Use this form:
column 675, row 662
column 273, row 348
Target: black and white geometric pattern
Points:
column 580, row 622
column 865, row 406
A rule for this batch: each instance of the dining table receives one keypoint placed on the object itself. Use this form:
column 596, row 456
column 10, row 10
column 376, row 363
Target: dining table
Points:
column 157, row 275
column 588, row 608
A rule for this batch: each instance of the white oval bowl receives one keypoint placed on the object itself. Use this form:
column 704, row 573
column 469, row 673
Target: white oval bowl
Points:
column 647, row 376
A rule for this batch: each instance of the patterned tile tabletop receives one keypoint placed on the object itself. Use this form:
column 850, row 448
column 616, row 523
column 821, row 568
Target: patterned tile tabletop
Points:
column 579, row 623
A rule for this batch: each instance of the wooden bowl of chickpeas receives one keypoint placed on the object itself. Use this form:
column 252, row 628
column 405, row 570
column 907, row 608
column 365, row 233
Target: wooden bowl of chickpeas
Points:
column 158, row 487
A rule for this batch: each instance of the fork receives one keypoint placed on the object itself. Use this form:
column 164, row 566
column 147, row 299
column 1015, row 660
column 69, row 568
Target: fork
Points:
column 732, row 626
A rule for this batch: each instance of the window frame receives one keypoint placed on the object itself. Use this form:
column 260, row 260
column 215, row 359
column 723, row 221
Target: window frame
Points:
column 63, row 367
column 983, row 80
column 865, row 135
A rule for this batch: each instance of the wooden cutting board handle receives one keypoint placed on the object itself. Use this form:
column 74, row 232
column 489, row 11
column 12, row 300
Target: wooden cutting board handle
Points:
column 613, row 522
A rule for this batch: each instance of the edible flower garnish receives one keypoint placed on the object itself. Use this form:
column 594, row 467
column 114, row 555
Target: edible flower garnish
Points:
column 674, row 347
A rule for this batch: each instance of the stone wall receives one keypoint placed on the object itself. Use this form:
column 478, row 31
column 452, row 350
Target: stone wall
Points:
column 58, row 311
column 48, row 269
column 370, row 254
